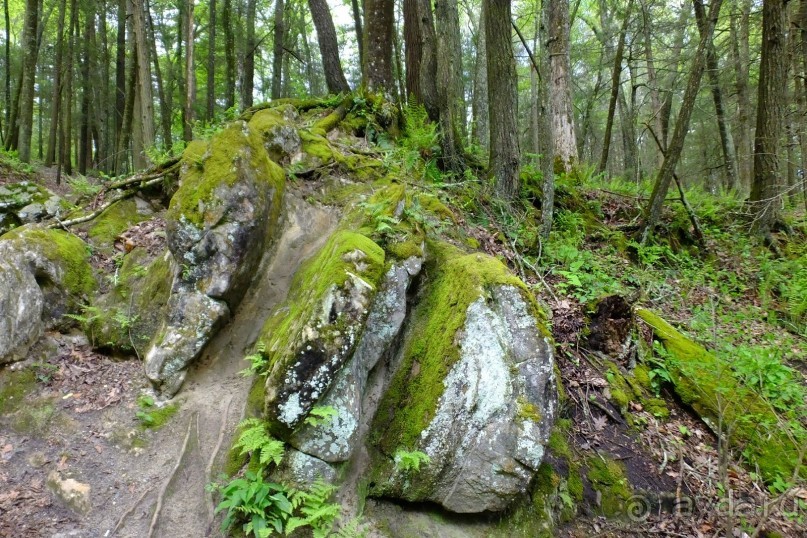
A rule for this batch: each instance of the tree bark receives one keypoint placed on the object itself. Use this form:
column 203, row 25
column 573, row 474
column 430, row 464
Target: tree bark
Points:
column 378, row 27
column 560, row 93
column 210, row 111
column 229, row 55
column 85, row 144
column 50, row 156
column 328, row 47
column 277, row 58
column 67, row 108
column 165, row 105
column 190, row 76
column 673, row 153
column 740, row 53
column 712, row 70
column 481, row 126
column 669, row 86
column 502, row 83
column 144, row 102
column 765, row 189
column 7, row 80
column 449, row 84
column 413, row 45
column 358, row 16
column 428, row 60
column 25, row 116
column 615, row 83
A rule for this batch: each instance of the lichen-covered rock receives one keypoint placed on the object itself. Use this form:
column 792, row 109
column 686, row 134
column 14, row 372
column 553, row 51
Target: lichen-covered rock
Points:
column 280, row 138
column 25, row 202
column 218, row 225
column 302, row 470
column 474, row 390
column 44, row 274
column 308, row 340
column 131, row 313
column 336, row 439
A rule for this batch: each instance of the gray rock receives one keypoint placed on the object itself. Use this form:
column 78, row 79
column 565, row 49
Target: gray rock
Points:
column 301, row 470
column 25, row 203
column 218, row 225
column 74, row 494
column 336, row 440
column 20, row 307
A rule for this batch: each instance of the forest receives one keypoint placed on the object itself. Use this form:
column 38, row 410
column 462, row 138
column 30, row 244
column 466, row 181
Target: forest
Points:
column 415, row 268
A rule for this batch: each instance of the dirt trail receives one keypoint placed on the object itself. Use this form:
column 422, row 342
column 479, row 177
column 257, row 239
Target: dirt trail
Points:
column 159, row 489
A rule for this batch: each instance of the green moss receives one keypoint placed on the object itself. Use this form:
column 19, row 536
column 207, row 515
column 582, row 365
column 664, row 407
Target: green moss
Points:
column 558, row 445
column 455, row 281
column 35, row 418
column 707, row 384
column 160, row 416
column 114, row 221
column 575, row 484
column 63, row 249
column 256, row 397
column 14, row 386
column 318, row 146
column 329, row 122
column 431, row 204
column 527, row 411
column 608, row 478
column 231, row 151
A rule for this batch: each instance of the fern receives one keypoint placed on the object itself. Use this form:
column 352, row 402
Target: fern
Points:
column 254, row 438
column 259, row 362
column 321, row 415
column 410, row 461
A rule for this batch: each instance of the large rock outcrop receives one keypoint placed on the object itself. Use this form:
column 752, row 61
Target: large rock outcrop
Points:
column 218, row 225
column 44, row 274
column 474, row 390
column 26, row 203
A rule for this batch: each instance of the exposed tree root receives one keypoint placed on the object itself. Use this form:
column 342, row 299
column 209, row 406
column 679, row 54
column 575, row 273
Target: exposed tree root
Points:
column 161, row 496
column 216, row 449
column 131, row 509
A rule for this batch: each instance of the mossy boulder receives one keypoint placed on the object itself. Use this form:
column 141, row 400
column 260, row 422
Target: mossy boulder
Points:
column 26, row 202
column 280, row 138
column 44, row 274
column 116, row 220
column 473, row 389
column 218, row 226
column 310, row 337
column 127, row 317
column 707, row 384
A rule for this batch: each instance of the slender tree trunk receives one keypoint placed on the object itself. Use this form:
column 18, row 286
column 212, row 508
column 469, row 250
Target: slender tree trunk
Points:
column 560, row 92
column 449, row 83
column 165, row 105
column 413, row 44
column 277, row 58
column 726, row 142
column 765, row 189
column 378, row 28
column 358, row 17
column 615, row 82
column 210, row 109
column 481, row 130
column 229, row 55
column 673, row 154
column 428, row 60
column 120, row 71
column 400, row 86
column 190, row 77
column 7, row 81
column 85, row 144
column 328, row 47
column 652, row 80
column 25, row 118
column 144, row 103
column 739, row 28
column 502, row 83
column 50, row 156
column 67, row 107
column 678, row 45
column 626, row 126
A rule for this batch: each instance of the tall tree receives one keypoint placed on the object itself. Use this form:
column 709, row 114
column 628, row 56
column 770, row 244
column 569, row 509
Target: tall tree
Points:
column 502, row 85
column 210, row 109
column 277, row 57
column 358, row 16
column 229, row 54
column 560, row 92
column 7, row 77
column 740, row 55
column 481, row 126
column 673, row 152
column 190, row 76
column 328, row 47
column 378, row 26
column 413, row 46
column 712, row 71
column 765, row 188
column 22, row 125
column 50, row 156
column 144, row 103
column 449, row 83
column 615, row 84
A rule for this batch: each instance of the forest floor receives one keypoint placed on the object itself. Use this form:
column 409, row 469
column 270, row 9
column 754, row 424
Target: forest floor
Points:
column 69, row 412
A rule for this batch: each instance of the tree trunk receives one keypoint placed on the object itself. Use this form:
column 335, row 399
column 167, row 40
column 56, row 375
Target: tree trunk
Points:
column 560, row 93
column 449, row 84
column 481, row 128
column 144, row 103
column 626, row 126
column 211, row 65
column 165, row 105
column 615, row 83
column 726, row 142
column 378, row 27
column 428, row 60
column 328, row 47
column 765, row 189
column 502, row 83
column 67, row 107
column 277, row 58
column 652, row 80
column 678, row 45
column 50, row 156
column 7, row 81
column 229, row 55
column 358, row 16
column 673, row 153
column 85, row 144
column 739, row 28
column 190, row 76
column 413, row 43
column 25, row 118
